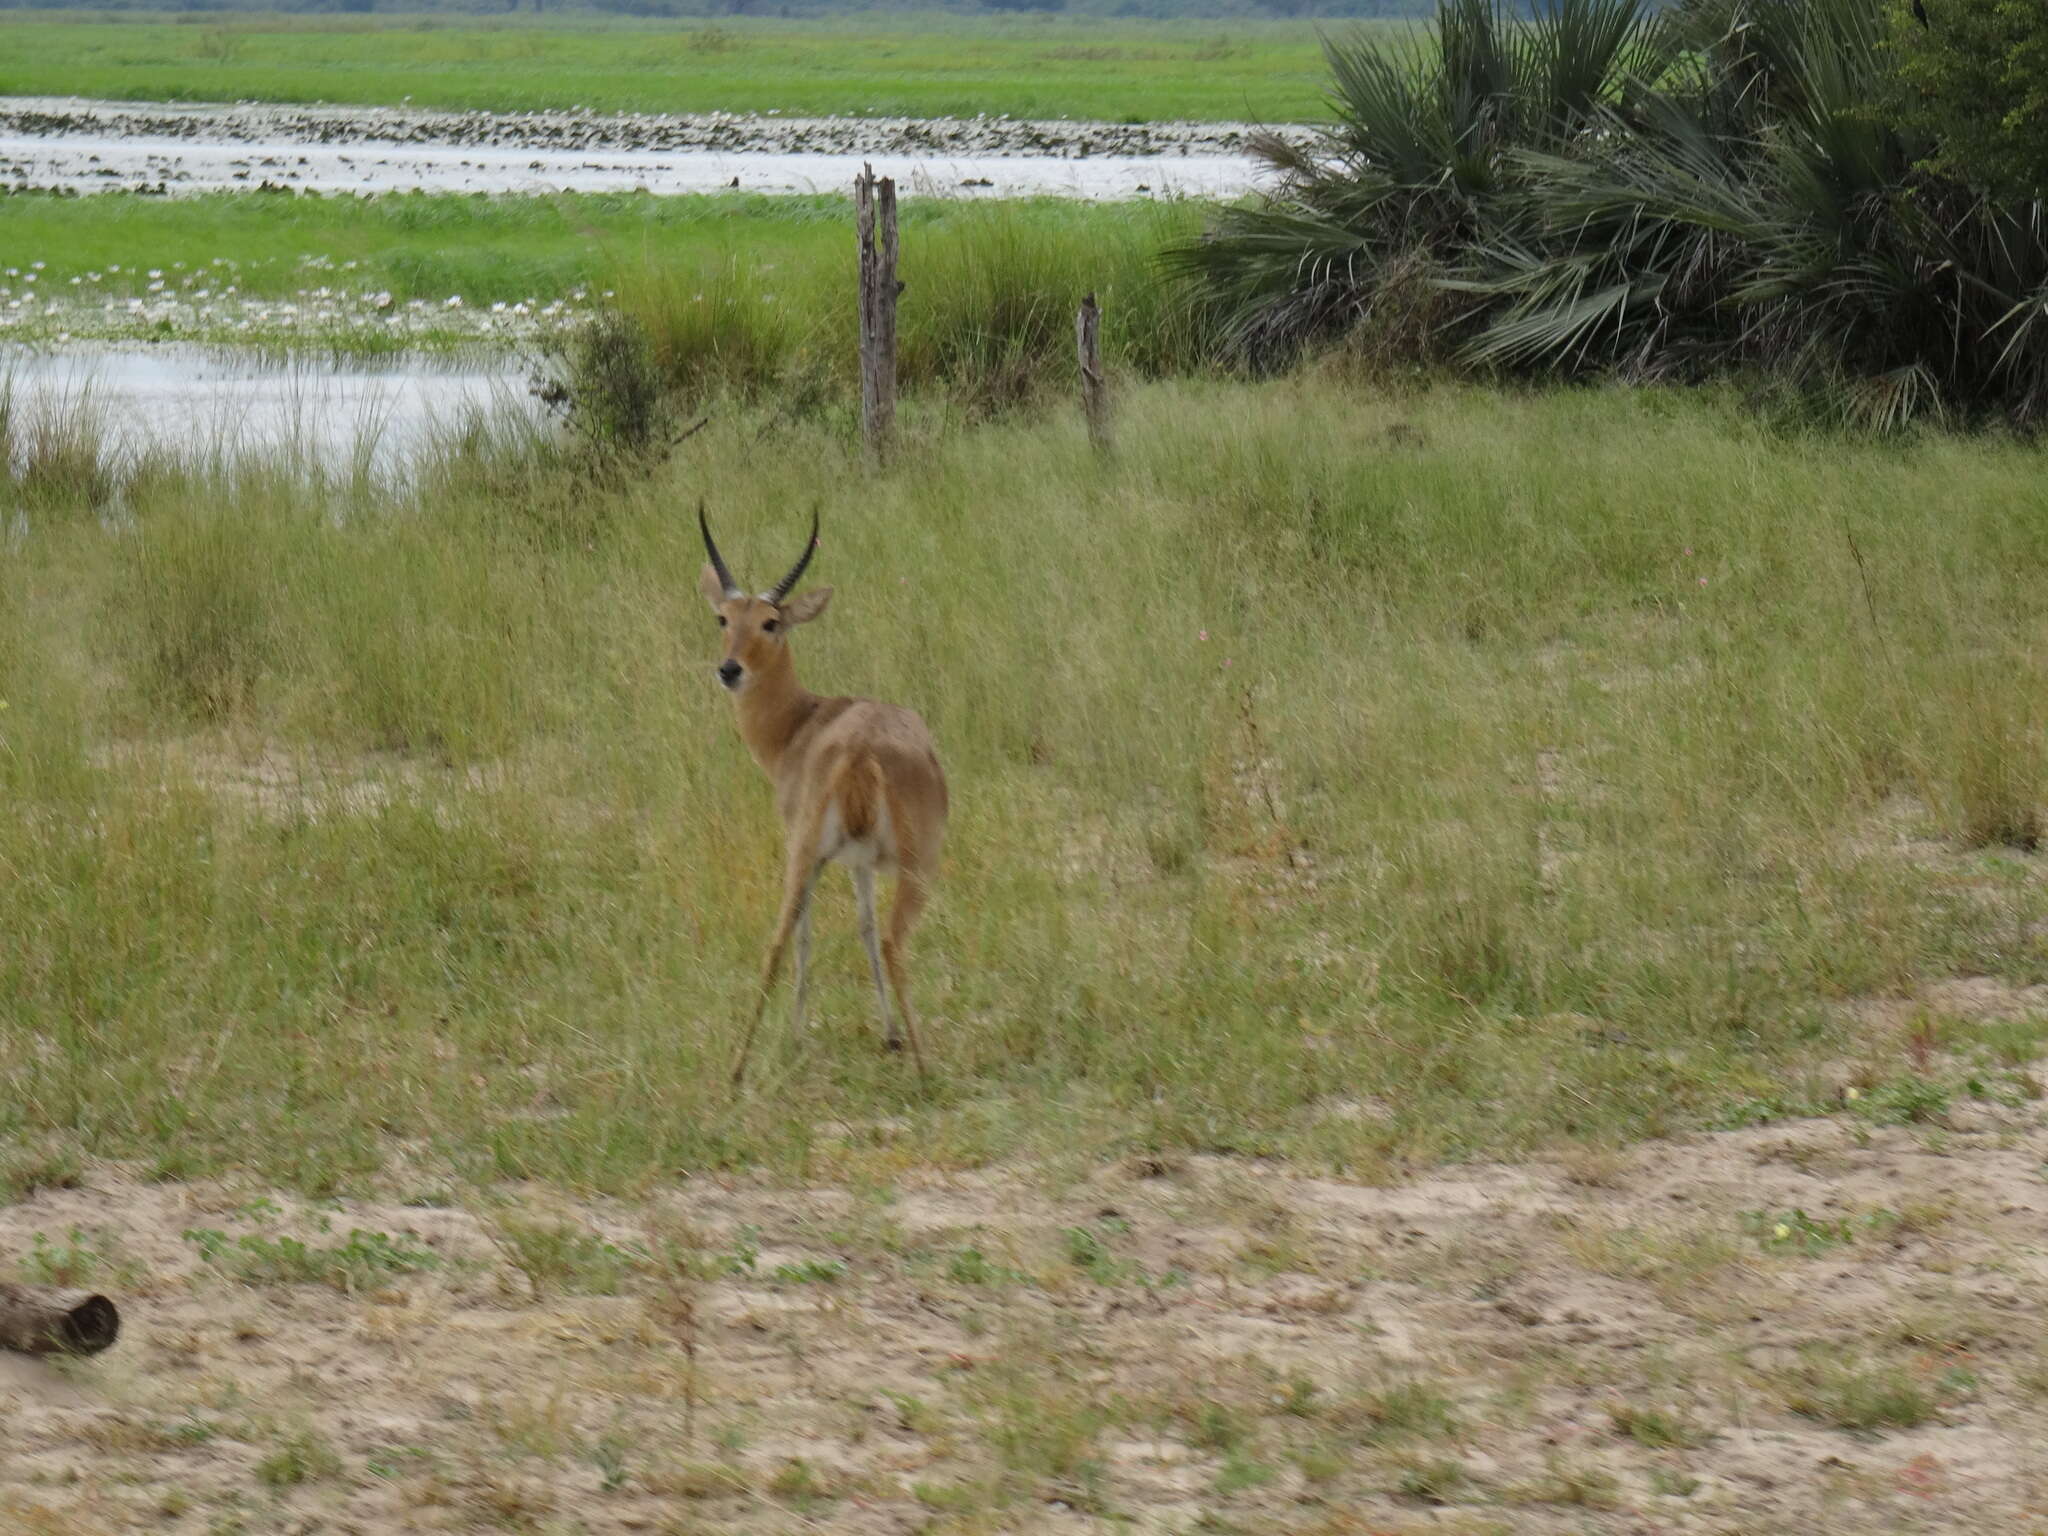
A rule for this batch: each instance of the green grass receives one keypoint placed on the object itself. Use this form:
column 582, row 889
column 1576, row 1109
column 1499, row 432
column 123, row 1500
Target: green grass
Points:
column 898, row 65
column 1526, row 768
column 483, row 248
column 739, row 290
column 751, row 294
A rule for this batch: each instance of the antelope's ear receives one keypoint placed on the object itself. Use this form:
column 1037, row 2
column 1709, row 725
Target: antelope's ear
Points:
column 709, row 584
column 806, row 606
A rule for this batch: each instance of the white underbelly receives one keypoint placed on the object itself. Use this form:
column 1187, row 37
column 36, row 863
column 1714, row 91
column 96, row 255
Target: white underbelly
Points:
column 874, row 851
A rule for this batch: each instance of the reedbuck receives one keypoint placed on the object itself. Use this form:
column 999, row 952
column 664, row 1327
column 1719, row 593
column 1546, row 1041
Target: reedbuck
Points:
column 857, row 782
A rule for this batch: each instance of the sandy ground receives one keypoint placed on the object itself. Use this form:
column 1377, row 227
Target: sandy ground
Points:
column 78, row 145
column 1821, row 1326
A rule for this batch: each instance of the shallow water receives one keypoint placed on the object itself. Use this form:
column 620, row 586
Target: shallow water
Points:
column 88, row 146
column 340, row 415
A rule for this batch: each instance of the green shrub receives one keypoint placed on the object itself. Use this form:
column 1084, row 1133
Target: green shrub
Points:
column 1973, row 81
column 1609, row 188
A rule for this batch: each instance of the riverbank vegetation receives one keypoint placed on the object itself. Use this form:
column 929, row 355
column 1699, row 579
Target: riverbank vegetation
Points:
column 1365, row 777
column 737, row 291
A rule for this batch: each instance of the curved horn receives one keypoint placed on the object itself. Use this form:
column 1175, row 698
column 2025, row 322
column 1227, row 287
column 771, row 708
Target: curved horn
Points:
column 781, row 588
column 732, row 588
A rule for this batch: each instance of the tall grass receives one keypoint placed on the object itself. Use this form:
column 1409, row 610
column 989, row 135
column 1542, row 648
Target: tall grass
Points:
column 987, row 313
column 1368, row 778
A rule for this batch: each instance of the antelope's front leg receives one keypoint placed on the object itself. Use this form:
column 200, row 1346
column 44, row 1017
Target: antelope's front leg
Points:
column 800, row 876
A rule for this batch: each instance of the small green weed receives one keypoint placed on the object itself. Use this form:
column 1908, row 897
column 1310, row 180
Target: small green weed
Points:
column 970, row 1266
column 28, row 1166
column 798, row 1484
column 1088, row 1250
column 1216, row 1426
column 82, row 1257
column 1436, row 1480
column 562, row 1258
column 398, row 1461
column 1405, row 1410
column 1572, row 1483
column 1906, row 1099
column 1864, row 1395
column 361, row 1261
column 809, row 1272
column 1239, row 1472
column 608, row 1455
column 1796, row 1232
column 1657, row 1428
column 303, row 1457
column 1668, row 1484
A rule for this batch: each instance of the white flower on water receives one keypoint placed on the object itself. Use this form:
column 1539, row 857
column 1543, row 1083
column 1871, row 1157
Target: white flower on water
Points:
column 156, row 271
column 454, row 301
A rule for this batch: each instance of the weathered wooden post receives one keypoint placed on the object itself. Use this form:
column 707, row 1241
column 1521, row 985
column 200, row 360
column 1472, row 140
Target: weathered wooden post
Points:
column 1094, row 388
column 40, row 1321
column 874, row 200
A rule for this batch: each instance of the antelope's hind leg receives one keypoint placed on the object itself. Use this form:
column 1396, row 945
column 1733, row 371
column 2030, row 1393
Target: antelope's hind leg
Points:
column 803, row 958
column 911, row 894
column 871, row 940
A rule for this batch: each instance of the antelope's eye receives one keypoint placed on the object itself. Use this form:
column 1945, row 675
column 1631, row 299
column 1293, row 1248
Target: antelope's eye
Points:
column 721, row 621
column 769, row 626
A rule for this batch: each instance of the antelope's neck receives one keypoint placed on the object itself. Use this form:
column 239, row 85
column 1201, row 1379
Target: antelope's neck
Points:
column 771, row 713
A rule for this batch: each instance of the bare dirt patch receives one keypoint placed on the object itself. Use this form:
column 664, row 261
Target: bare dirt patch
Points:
column 1814, row 1327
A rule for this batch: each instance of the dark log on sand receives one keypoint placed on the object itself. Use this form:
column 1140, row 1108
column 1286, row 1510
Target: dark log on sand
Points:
column 39, row 1321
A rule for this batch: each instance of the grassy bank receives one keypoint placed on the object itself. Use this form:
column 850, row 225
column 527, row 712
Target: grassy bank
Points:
column 1369, row 780
column 740, row 291
column 911, row 66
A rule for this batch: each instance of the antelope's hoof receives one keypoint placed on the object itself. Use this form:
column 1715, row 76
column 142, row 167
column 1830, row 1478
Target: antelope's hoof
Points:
column 891, row 1043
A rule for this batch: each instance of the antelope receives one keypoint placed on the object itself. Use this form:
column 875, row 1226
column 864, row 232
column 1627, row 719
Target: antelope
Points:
column 857, row 782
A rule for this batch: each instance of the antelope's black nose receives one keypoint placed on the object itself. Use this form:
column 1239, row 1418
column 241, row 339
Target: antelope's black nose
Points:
column 729, row 673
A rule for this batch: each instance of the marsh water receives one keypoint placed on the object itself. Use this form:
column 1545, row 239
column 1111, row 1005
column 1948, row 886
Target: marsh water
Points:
column 336, row 412
column 349, row 413
column 180, row 148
